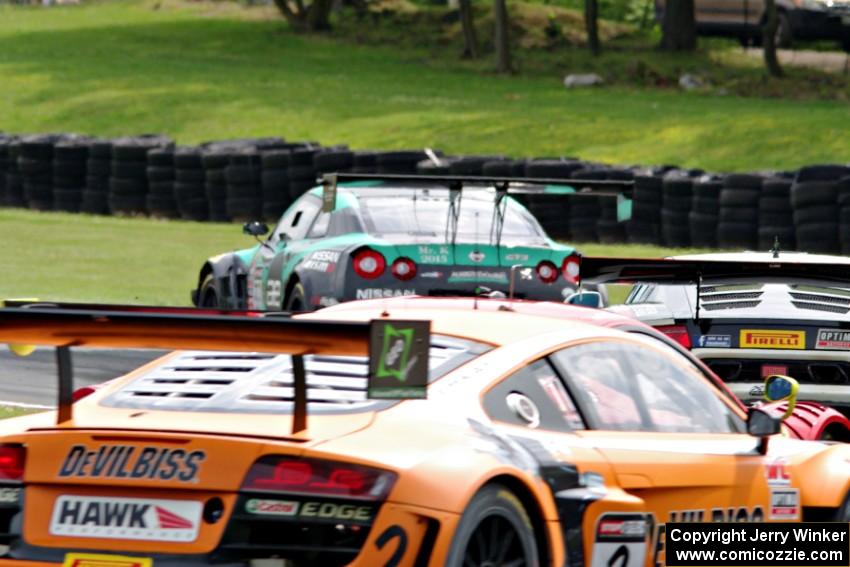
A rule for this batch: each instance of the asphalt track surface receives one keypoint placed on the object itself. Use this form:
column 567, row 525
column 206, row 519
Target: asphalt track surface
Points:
column 32, row 380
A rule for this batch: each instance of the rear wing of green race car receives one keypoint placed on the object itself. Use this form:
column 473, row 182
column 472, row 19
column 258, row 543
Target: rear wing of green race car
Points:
column 398, row 350
column 503, row 186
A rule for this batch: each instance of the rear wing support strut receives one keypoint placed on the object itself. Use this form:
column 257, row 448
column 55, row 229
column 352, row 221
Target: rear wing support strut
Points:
column 299, row 382
column 66, row 384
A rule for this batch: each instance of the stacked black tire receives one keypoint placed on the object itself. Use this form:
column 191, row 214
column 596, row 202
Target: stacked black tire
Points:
column 128, row 184
column 333, row 160
column 609, row 228
column 69, row 173
column 190, row 184
column 705, row 211
column 244, row 185
column 552, row 210
column 585, row 210
column 275, row 183
column 645, row 224
column 301, row 172
column 161, row 201
column 35, row 164
column 814, row 197
column 776, row 217
column 401, row 162
column 738, row 220
column 215, row 159
column 431, row 167
column 11, row 190
column 365, row 161
column 95, row 196
column 677, row 199
column 843, row 197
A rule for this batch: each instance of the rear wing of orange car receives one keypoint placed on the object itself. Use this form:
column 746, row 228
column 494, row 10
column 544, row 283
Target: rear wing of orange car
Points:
column 397, row 349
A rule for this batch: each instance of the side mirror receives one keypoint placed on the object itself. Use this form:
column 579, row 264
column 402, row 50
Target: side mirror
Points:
column 255, row 228
column 762, row 424
column 586, row 299
column 778, row 388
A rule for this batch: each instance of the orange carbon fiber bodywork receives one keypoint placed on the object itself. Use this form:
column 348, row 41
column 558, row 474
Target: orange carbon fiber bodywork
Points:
column 440, row 460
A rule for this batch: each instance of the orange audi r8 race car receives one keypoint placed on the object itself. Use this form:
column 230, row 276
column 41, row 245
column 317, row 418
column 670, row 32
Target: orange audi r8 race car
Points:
column 390, row 433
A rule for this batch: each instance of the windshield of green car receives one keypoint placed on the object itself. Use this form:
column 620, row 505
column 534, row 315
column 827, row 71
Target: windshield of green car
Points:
column 428, row 215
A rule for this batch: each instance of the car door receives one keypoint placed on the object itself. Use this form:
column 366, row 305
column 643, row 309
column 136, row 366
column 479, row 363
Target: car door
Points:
column 265, row 288
column 668, row 435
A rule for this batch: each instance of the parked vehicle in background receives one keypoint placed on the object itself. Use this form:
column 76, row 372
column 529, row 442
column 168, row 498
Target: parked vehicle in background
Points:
column 798, row 19
column 748, row 315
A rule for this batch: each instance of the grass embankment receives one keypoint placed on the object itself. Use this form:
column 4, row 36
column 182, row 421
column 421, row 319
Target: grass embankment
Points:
column 64, row 257
column 199, row 72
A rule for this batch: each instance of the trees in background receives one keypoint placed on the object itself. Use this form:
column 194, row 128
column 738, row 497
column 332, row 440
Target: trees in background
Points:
column 467, row 23
column 591, row 24
column 678, row 28
column 311, row 16
column 769, row 39
column 501, row 39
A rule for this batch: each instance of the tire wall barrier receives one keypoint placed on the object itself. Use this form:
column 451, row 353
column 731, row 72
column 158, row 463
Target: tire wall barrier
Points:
column 258, row 178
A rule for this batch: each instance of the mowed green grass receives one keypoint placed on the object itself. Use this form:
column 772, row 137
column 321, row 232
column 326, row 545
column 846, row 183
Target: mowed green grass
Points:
column 65, row 257
column 135, row 66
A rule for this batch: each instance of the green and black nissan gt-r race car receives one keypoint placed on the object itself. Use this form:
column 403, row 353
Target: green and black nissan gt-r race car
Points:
column 381, row 236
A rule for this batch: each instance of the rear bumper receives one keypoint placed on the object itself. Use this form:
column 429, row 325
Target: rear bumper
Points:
column 824, row 376
column 412, row 535
column 435, row 280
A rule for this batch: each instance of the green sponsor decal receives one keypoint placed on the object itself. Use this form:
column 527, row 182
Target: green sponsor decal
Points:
column 398, row 359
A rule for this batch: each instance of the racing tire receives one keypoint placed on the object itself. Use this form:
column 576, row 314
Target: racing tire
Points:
column 130, row 169
column 738, row 197
column 98, row 168
column 365, row 161
column 816, row 214
column 745, row 181
column 296, row 301
column 188, row 158
column 160, row 173
column 732, row 234
column 161, row 157
column 828, row 172
column 554, row 169
column 215, row 191
column 190, row 175
column 275, row 159
column 738, row 214
column 811, row 193
column 100, row 150
column 776, row 187
column 495, row 529
column 207, row 294
column 332, row 161
column 818, row 237
column 775, row 204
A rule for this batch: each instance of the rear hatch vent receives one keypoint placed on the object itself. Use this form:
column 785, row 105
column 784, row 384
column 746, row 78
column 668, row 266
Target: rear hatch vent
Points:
column 715, row 298
column 257, row 383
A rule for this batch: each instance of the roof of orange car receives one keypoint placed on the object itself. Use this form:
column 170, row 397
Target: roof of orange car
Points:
column 494, row 321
